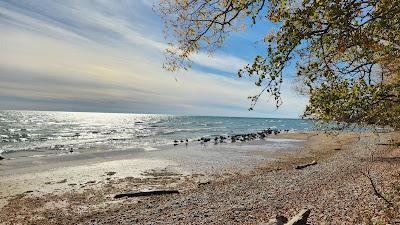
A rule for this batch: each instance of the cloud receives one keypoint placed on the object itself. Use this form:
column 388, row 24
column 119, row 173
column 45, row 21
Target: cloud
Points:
column 105, row 56
column 219, row 61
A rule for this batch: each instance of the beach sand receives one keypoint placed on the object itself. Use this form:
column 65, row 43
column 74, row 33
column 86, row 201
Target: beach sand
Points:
column 219, row 184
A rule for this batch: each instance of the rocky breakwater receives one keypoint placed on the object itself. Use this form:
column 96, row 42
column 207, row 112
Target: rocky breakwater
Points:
column 246, row 137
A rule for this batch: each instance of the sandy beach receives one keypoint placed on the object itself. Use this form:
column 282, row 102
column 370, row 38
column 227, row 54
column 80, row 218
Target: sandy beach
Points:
column 246, row 188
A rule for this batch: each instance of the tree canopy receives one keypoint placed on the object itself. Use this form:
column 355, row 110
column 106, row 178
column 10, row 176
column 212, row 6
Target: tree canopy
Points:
column 347, row 52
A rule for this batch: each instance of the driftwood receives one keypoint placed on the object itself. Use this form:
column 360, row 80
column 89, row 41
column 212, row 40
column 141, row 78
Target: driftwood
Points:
column 204, row 183
column 376, row 192
column 278, row 220
column 146, row 193
column 390, row 144
column 299, row 167
column 300, row 218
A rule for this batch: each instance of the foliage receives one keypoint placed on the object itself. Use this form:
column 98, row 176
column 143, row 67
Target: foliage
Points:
column 347, row 52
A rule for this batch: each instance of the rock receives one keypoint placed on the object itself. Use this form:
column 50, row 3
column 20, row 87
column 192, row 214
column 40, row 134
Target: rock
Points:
column 110, row 173
column 300, row 218
column 1, row 157
column 299, row 167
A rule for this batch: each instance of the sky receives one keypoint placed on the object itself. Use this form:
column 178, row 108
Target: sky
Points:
column 107, row 56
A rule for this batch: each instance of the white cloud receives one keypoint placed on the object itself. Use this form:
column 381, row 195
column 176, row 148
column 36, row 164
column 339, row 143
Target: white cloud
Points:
column 51, row 61
column 221, row 62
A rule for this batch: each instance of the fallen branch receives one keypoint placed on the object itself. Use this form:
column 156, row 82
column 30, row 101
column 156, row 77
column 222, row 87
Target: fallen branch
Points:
column 146, row 193
column 376, row 192
column 390, row 144
column 306, row 165
column 300, row 218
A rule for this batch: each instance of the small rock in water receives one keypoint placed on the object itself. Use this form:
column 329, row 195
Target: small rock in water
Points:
column 1, row 158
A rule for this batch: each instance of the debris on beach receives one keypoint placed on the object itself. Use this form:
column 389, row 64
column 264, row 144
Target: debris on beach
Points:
column 204, row 183
column 299, row 167
column 299, row 219
column 62, row 181
column 146, row 193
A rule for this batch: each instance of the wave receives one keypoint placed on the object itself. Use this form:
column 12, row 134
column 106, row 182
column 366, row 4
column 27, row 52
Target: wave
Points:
column 26, row 130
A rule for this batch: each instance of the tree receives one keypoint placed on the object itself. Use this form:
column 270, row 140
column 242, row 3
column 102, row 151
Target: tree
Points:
column 347, row 52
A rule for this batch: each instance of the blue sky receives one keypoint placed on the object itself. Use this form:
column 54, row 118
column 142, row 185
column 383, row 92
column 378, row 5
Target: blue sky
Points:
column 107, row 56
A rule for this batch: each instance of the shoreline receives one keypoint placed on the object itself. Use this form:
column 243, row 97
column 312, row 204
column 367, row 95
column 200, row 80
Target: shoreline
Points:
column 270, row 188
column 47, row 174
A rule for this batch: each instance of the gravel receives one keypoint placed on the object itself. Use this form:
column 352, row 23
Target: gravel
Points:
column 336, row 190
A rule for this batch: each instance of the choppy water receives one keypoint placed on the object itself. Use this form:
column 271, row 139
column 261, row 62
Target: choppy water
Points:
column 63, row 131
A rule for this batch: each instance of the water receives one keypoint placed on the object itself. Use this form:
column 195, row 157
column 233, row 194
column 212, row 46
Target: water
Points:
column 34, row 131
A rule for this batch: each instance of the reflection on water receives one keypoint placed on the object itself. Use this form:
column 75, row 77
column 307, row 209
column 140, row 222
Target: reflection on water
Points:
column 66, row 131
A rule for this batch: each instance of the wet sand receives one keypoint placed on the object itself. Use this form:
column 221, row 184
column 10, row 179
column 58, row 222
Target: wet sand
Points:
column 253, row 184
column 58, row 173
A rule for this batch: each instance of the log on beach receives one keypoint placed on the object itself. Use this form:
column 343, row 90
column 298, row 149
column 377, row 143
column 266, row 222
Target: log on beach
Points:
column 146, row 193
column 299, row 167
column 300, row 218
